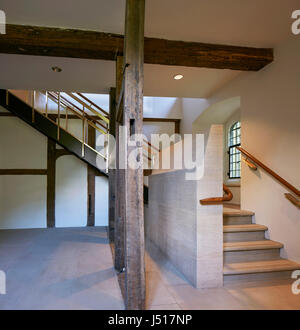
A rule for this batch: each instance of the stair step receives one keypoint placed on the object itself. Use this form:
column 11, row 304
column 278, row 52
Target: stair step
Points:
column 237, row 217
column 236, row 213
column 243, row 228
column 281, row 265
column 251, row 255
column 251, row 245
column 239, row 233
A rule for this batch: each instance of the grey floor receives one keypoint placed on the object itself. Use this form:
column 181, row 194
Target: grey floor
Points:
column 73, row 269
column 58, row 269
column 168, row 289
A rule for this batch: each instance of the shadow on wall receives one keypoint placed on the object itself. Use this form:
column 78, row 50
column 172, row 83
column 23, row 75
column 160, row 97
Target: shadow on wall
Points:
column 216, row 114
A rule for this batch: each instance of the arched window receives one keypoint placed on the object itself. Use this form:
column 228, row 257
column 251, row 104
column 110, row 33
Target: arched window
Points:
column 234, row 140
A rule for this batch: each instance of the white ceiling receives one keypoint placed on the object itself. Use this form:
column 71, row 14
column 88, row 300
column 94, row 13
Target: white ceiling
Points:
column 34, row 72
column 240, row 22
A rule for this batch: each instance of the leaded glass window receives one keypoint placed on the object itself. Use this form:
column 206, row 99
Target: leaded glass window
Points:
column 234, row 140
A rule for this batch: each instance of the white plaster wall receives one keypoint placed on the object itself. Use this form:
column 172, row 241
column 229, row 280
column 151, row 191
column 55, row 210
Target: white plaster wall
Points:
column 185, row 109
column 21, row 146
column 74, row 127
column 71, row 192
column 158, row 128
column 236, row 192
column 101, row 210
column 23, row 201
column 191, row 109
column 23, row 197
column 270, row 120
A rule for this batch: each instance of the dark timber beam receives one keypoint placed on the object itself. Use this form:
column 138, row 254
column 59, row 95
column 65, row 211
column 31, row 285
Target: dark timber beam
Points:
column 51, row 165
column 58, row 42
column 111, row 170
column 23, row 172
column 133, row 122
column 119, row 228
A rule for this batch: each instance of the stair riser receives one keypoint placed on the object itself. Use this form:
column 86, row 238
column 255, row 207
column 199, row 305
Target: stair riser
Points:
column 244, row 236
column 257, row 277
column 247, row 256
column 241, row 220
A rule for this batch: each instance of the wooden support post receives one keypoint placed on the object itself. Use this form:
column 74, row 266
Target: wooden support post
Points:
column 177, row 126
column 133, row 121
column 111, row 169
column 51, row 165
column 91, row 181
column 119, row 238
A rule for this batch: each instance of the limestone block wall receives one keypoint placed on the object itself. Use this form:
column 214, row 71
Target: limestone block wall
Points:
column 190, row 234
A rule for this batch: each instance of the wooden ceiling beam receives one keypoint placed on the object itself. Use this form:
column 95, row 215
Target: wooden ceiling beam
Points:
column 58, row 42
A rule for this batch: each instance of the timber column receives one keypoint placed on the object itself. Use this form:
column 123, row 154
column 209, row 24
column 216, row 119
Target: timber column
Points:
column 133, row 122
column 119, row 225
column 112, row 163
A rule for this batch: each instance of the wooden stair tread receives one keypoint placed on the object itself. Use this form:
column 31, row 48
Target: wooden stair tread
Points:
column 230, row 212
column 251, row 245
column 243, row 228
column 260, row 267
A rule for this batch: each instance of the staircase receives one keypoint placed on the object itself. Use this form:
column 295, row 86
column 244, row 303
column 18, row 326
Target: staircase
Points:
column 248, row 255
column 68, row 105
column 54, row 125
column 49, row 125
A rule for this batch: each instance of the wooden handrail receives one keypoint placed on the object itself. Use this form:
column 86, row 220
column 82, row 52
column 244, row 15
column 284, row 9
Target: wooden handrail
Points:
column 94, row 104
column 268, row 170
column 71, row 106
column 250, row 164
column 292, row 199
column 151, row 146
column 218, row 200
column 81, row 115
column 77, row 99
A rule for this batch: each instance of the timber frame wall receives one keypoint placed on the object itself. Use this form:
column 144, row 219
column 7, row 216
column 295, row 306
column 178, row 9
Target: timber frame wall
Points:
column 52, row 155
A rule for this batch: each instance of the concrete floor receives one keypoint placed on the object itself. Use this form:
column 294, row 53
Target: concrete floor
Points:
column 58, row 269
column 168, row 289
column 72, row 269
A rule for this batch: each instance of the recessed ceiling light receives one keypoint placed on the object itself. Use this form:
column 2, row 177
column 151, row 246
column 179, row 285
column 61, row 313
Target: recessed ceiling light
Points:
column 56, row 69
column 178, row 76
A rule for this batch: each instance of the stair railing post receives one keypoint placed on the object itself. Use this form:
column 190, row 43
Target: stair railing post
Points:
column 83, row 132
column 6, row 97
column 107, row 151
column 67, row 118
column 46, row 104
column 58, row 117
column 33, row 97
